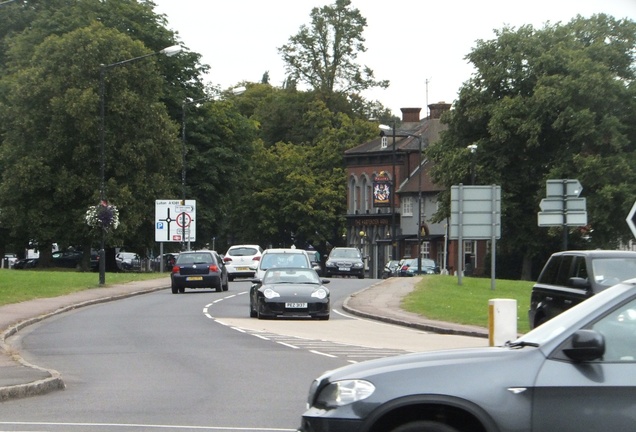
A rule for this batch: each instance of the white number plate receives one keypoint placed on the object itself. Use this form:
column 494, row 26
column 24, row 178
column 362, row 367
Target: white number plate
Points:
column 296, row 305
column 344, row 268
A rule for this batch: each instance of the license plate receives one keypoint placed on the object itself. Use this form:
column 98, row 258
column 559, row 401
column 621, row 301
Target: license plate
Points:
column 193, row 278
column 243, row 268
column 344, row 268
column 296, row 305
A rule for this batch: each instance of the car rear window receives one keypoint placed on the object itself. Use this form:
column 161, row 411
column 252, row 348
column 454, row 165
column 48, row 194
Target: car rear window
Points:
column 242, row 251
column 198, row 258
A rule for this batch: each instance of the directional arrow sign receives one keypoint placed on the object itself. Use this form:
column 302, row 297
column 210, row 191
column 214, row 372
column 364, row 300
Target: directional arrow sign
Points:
column 555, row 188
column 630, row 219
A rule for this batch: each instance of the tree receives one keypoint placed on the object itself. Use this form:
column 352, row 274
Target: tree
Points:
column 58, row 114
column 323, row 55
column 552, row 103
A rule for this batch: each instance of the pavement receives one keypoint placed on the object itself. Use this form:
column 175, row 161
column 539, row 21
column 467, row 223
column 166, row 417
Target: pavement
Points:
column 19, row 378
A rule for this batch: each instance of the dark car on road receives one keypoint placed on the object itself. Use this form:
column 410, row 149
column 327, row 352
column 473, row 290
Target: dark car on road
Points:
column 409, row 267
column 574, row 373
column 199, row 269
column 344, row 261
column 290, row 292
column 569, row 277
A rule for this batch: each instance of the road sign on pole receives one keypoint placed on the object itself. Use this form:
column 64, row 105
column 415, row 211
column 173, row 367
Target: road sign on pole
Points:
column 630, row 219
column 170, row 218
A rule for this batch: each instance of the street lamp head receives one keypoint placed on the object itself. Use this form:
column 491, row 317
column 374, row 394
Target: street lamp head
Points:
column 385, row 127
column 171, row 50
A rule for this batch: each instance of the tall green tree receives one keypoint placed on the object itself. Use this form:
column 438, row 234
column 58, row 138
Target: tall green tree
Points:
column 550, row 103
column 323, row 55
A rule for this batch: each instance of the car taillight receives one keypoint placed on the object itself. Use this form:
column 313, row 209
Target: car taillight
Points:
column 214, row 268
column 227, row 259
column 175, row 269
column 256, row 258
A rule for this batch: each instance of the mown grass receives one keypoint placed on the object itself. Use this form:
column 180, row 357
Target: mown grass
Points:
column 440, row 297
column 22, row 285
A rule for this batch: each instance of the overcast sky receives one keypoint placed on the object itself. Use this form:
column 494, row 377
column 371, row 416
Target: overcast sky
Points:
column 418, row 45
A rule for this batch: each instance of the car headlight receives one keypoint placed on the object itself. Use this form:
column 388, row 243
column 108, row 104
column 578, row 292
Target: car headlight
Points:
column 330, row 263
column 270, row 293
column 320, row 293
column 358, row 265
column 344, row 392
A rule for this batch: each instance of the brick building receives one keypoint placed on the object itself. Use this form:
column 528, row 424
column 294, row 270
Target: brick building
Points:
column 384, row 224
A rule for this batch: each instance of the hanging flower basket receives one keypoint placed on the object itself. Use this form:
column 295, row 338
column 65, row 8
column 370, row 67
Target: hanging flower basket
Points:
column 104, row 216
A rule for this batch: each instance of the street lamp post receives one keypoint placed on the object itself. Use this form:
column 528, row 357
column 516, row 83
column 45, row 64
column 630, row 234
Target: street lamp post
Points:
column 170, row 51
column 473, row 151
column 394, row 188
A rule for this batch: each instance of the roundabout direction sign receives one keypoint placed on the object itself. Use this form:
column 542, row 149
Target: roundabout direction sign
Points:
column 630, row 219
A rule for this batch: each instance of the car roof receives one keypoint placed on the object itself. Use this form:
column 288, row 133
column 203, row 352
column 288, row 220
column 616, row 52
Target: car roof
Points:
column 244, row 246
column 284, row 250
column 598, row 253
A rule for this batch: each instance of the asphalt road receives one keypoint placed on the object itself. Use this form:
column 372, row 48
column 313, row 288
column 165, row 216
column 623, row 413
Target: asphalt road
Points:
column 192, row 362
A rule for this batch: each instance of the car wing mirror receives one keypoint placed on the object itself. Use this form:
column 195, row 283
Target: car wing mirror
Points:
column 325, row 281
column 585, row 345
column 578, row 282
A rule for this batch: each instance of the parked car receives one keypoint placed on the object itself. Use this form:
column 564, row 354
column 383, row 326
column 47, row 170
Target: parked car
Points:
column 242, row 260
column 408, row 267
column 289, row 292
column 25, row 263
column 199, row 269
column 282, row 257
column 344, row 261
column 576, row 372
column 9, row 260
column 391, row 269
column 569, row 277
column 128, row 261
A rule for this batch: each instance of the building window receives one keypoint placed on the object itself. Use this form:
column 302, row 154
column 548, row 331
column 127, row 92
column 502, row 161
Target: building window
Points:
column 407, row 206
column 469, row 247
column 425, row 249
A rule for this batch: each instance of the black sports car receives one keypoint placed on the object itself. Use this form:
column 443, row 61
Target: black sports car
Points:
column 289, row 292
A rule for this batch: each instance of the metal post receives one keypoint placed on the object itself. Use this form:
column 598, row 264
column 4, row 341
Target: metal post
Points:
column 183, row 174
column 419, row 208
column 102, row 171
column 394, row 182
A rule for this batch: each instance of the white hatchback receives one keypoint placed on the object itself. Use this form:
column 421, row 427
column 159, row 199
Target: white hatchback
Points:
column 242, row 260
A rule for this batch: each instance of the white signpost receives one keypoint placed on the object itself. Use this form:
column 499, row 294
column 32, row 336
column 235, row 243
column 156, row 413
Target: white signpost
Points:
column 562, row 206
column 630, row 219
column 175, row 221
column 475, row 215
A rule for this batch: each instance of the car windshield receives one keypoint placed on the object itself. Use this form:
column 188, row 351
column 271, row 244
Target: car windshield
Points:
column 565, row 320
column 298, row 260
column 610, row 271
column 198, row 258
column 279, row 275
column 345, row 253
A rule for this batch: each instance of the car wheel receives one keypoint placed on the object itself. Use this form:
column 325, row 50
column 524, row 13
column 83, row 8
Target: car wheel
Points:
column 230, row 278
column 226, row 286
column 181, row 290
column 424, row 426
column 219, row 287
column 175, row 290
column 252, row 311
column 361, row 276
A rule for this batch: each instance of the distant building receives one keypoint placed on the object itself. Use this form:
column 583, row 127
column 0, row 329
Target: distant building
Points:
column 383, row 221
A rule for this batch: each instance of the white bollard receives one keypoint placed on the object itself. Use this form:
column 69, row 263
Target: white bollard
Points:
column 502, row 321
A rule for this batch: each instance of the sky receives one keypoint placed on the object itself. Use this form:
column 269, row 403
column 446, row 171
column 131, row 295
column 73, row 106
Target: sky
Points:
column 419, row 46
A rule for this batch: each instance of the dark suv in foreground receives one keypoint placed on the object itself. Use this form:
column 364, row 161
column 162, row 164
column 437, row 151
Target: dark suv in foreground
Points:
column 575, row 373
column 570, row 277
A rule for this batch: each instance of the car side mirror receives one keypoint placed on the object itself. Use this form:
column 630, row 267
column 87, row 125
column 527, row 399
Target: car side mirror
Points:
column 257, row 281
column 578, row 282
column 585, row 345
column 325, row 281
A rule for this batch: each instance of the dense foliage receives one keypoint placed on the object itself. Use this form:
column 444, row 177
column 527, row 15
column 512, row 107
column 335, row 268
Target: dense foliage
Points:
column 550, row 103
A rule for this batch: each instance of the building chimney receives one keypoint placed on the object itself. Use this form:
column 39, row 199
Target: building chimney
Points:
column 437, row 109
column 410, row 115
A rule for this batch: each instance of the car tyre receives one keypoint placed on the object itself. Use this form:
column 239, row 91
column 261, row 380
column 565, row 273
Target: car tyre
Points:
column 252, row 312
column 181, row 290
column 175, row 290
column 424, row 426
column 226, row 285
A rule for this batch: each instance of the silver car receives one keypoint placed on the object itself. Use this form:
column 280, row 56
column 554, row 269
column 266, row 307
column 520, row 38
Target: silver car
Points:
column 574, row 373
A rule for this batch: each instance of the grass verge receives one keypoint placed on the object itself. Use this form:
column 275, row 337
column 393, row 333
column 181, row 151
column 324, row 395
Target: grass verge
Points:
column 22, row 285
column 439, row 297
